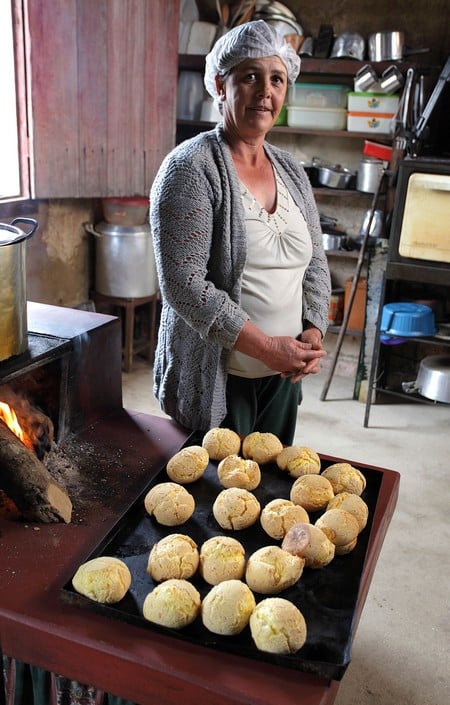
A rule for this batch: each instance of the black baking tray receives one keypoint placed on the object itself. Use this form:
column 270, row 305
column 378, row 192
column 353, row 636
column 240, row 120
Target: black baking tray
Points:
column 327, row 597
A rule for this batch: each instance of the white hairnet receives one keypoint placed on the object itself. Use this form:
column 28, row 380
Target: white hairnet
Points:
column 252, row 40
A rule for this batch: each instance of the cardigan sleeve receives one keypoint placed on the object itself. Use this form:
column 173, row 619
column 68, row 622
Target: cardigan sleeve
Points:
column 186, row 215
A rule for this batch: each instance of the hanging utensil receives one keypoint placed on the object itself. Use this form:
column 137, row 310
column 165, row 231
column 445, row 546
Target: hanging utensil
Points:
column 401, row 119
column 219, row 11
column 225, row 14
column 237, row 13
column 405, row 114
column 248, row 13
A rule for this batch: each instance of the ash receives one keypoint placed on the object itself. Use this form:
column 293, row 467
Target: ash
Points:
column 62, row 464
column 82, row 468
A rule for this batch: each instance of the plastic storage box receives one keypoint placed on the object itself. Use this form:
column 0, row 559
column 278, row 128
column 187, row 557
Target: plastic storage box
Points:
column 372, row 103
column 380, row 123
column 318, row 95
column 316, row 118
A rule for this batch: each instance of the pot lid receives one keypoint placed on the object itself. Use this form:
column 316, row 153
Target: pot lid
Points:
column 10, row 235
column 104, row 228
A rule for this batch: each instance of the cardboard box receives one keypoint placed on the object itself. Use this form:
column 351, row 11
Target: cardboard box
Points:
column 336, row 308
column 358, row 313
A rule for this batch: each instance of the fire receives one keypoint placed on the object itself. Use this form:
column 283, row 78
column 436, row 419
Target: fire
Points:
column 8, row 415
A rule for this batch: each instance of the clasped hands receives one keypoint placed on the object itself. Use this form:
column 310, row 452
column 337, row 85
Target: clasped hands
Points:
column 297, row 358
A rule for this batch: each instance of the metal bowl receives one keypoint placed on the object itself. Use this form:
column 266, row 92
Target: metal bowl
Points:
column 433, row 379
column 335, row 176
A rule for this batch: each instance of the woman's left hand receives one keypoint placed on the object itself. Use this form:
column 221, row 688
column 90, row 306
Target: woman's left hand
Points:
column 313, row 336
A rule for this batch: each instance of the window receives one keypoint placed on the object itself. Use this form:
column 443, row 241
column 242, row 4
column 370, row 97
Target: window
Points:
column 9, row 143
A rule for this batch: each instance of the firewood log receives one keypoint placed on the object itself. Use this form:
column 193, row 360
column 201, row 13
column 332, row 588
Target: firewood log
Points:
column 29, row 484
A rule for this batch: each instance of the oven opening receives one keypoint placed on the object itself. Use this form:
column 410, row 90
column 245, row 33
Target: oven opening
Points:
column 68, row 380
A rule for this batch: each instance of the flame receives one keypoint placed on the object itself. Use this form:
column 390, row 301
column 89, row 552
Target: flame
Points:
column 8, row 415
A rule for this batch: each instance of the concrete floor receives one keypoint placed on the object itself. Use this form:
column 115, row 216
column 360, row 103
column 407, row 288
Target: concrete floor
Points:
column 401, row 650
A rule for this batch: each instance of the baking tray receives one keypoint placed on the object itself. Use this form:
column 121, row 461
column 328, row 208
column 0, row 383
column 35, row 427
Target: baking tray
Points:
column 327, row 597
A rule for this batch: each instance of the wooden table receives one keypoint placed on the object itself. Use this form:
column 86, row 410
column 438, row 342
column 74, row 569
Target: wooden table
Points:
column 37, row 627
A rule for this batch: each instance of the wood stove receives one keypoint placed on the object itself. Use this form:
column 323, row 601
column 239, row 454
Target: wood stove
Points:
column 71, row 369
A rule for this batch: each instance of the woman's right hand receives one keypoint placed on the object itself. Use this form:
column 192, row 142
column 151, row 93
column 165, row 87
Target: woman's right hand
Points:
column 291, row 357
column 284, row 353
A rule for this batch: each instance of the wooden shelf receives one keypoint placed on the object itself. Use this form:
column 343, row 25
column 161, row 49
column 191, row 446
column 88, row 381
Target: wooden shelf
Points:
column 346, row 68
column 346, row 134
column 349, row 331
column 419, row 272
column 402, row 396
column 349, row 254
column 201, row 125
column 428, row 340
column 341, row 192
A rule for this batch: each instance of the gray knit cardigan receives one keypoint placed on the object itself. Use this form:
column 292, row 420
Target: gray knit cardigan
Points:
column 198, row 227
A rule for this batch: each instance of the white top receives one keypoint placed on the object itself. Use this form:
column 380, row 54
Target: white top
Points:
column 279, row 249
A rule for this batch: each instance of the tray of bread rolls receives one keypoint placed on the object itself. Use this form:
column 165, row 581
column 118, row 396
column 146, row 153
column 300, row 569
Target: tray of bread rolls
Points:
column 244, row 546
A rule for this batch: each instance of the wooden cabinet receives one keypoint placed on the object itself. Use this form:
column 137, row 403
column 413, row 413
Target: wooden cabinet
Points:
column 102, row 79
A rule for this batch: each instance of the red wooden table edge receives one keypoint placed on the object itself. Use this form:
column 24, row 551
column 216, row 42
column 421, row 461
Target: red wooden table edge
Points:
column 122, row 660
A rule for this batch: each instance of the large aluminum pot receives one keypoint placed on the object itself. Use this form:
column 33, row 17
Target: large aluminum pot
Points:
column 13, row 287
column 124, row 260
column 433, row 379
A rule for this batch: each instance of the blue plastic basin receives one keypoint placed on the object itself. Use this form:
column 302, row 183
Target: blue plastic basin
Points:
column 407, row 320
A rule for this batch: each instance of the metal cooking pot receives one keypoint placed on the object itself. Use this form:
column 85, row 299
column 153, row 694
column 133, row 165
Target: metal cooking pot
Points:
column 433, row 379
column 349, row 45
column 386, row 46
column 335, row 176
column 124, row 260
column 13, row 281
column 332, row 241
column 390, row 46
column 370, row 171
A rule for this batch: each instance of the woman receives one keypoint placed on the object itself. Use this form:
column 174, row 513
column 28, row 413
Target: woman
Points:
column 244, row 280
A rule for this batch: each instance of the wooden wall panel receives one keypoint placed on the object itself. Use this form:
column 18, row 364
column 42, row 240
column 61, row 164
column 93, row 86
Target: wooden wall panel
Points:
column 53, row 58
column 101, row 72
column 92, row 96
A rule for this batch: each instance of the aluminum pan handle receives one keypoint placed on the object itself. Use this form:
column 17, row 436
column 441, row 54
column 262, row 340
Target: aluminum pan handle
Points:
column 20, row 235
column 411, row 388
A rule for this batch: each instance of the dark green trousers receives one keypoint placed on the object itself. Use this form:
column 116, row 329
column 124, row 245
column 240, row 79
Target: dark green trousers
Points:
column 267, row 404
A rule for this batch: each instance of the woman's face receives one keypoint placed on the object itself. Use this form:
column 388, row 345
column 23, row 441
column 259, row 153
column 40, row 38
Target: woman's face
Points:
column 252, row 95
